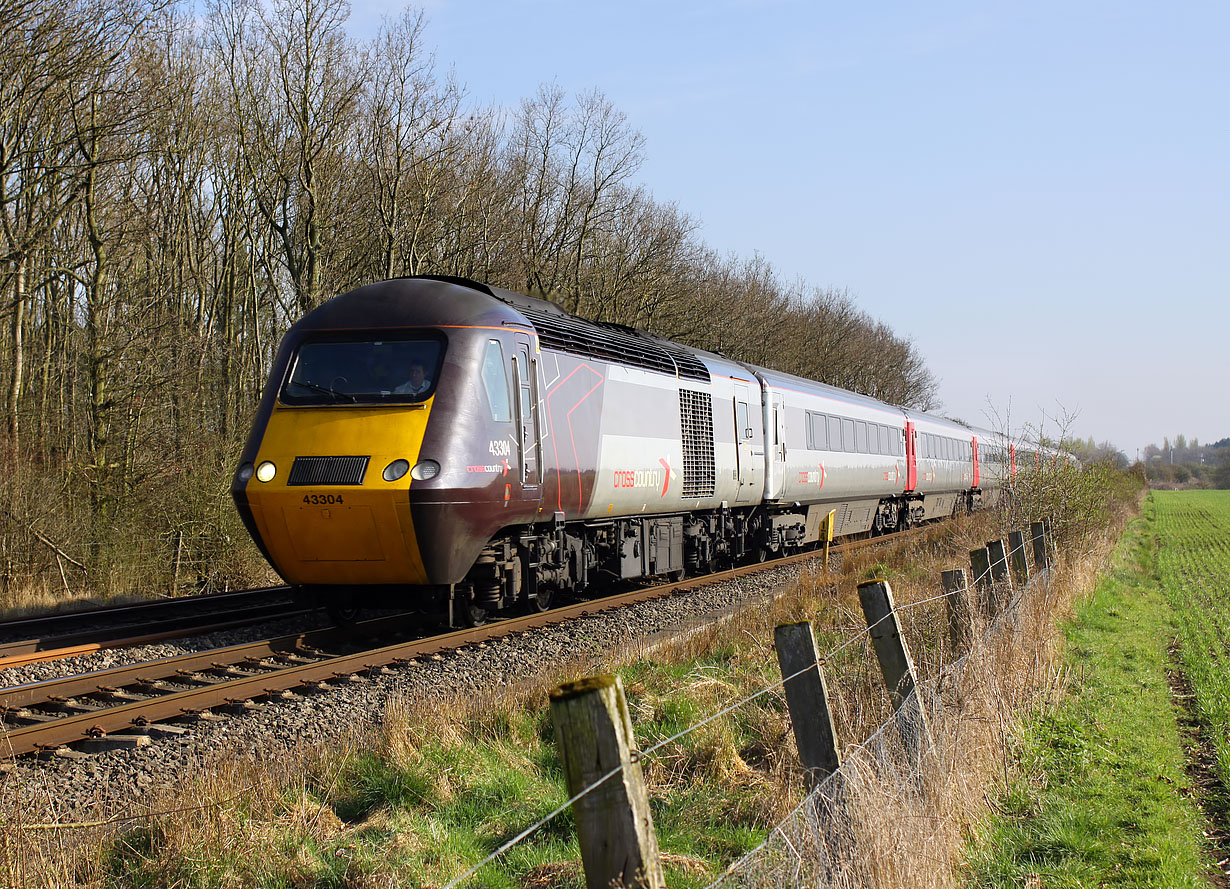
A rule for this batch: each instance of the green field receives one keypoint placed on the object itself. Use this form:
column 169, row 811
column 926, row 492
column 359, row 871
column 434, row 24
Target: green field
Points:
column 1193, row 563
column 1102, row 794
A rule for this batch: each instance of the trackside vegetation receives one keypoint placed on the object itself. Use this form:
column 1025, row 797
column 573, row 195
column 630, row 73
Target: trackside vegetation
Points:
column 447, row 778
column 1102, row 790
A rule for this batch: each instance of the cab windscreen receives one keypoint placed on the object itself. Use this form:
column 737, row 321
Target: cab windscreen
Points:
column 363, row 371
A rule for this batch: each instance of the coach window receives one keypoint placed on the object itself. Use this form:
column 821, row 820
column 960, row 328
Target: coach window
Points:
column 847, row 436
column 860, row 436
column 495, row 382
column 819, row 432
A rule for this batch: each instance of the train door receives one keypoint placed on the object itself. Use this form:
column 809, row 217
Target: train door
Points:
column 744, row 439
column 529, row 443
column 974, row 447
column 776, row 445
column 911, row 457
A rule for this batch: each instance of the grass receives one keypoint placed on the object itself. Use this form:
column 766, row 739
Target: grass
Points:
column 1100, row 795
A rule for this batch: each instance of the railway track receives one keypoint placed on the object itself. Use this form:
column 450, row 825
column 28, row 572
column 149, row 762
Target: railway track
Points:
column 125, row 705
column 54, row 636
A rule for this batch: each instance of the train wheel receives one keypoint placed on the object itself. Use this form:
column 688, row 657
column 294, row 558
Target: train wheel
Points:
column 472, row 615
column 539, row 602
column 344, row 615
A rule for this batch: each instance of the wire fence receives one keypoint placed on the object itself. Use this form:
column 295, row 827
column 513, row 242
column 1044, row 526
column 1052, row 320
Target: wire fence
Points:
column 817, row 841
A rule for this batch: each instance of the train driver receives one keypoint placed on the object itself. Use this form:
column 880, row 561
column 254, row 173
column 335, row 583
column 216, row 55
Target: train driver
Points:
column 418, row 383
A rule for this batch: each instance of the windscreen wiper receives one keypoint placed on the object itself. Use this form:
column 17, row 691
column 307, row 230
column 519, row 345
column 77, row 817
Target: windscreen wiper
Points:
column 327, row 390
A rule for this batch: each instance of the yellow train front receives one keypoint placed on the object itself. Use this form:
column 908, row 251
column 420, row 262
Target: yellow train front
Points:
column 401, row 386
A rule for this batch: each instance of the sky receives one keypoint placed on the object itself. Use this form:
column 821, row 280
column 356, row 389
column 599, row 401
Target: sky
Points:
column 1037, row 194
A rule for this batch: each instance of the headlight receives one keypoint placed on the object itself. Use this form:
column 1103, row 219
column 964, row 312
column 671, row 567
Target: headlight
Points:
column 245, row 472
column 424, row 470
column 266, row 471
column 396, row 470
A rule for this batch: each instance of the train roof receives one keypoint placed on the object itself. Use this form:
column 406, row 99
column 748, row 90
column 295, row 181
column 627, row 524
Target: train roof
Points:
column 412, row 302
column 447, row 300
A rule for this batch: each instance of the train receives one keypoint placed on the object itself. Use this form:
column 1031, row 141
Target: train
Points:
column 434, row 442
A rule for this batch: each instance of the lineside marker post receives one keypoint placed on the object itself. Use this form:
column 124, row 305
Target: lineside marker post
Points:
column 614, row 826
column 1017, row 563
column 1037, row 532
column 827, row 532
column 807, row 697
column 876, row 597
column 960, row 616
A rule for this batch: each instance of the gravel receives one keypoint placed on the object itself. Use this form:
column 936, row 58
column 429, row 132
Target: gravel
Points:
column 116, row 781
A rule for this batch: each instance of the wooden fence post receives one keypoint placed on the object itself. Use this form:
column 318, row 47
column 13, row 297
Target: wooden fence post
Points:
column 1037, row 531
column 594, row 732
column 957, row 599
column 996, row 594
column 999, row 561
column 1017, row 562
column 807, row 696
column 980, row 567
column 876, row 598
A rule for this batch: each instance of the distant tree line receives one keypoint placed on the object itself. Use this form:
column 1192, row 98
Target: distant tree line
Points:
column 1188, row 463
column 1089, row 452
column 174, row 192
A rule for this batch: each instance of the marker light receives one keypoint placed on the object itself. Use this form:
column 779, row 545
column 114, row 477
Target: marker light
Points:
column 427, row 469
column 266, row 471
column 245, row 472
column 396, row 470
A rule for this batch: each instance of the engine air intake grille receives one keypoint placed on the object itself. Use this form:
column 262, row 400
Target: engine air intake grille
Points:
column 328, row 471
column 696, row 426
column 614, row 343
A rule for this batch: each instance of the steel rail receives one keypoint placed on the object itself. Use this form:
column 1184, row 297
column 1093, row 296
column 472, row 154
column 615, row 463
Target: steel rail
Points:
column 44, row 624
column 56, row 732
column 50, row 637
column 51, row 654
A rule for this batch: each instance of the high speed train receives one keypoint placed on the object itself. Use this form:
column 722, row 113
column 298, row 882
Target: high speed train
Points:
column 436, row 442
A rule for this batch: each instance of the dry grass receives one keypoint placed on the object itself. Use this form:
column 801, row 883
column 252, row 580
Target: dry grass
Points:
column 277, row 819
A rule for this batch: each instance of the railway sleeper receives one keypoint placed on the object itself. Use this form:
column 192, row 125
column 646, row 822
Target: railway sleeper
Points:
column 69, row 706
column 120, row 694
column 106, row 743
column 25, row 716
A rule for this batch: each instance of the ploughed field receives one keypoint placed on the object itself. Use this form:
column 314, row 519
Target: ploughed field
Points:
column 1193, row 530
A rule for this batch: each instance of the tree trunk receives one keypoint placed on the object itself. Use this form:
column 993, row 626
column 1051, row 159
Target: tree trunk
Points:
column 19, row 320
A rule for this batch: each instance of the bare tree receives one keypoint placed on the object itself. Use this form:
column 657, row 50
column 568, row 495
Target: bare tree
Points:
column 294, row 91
column 408, row 141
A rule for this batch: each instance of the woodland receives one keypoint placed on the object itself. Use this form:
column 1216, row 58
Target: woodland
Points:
column 179, row 183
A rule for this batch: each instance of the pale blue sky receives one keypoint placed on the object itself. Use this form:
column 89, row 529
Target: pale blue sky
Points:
column 1038, row 194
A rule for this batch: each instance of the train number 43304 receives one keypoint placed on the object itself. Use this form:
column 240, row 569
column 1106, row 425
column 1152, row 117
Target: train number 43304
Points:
column 322, row 499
